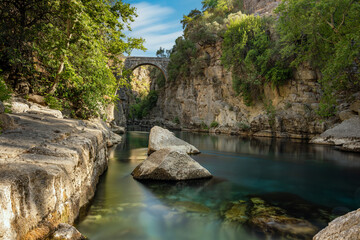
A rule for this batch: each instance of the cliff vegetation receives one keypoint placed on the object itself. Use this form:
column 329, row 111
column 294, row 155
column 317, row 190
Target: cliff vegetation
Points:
column 268, row 47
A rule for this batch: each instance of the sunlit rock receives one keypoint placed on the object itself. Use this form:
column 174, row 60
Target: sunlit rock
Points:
column 169, row 165
column 161, row 138
column 67, row 232
column 346, row 227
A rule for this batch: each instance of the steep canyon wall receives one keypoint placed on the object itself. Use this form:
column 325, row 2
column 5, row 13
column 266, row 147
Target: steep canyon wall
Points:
column 287, row 111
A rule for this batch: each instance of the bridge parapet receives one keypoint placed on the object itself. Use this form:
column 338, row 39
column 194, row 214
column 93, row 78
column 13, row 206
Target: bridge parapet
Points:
column 134, row 62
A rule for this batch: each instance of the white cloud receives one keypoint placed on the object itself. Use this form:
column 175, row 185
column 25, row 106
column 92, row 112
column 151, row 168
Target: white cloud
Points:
column 155, row 25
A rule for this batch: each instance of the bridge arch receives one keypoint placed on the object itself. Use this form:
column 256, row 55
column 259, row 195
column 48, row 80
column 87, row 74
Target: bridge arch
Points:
column 161, row 63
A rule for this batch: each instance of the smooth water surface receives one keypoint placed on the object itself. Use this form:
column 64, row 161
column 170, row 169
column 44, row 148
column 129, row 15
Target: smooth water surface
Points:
column 307, row 182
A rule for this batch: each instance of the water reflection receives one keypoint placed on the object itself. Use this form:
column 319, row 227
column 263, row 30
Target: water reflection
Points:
column 301, row 181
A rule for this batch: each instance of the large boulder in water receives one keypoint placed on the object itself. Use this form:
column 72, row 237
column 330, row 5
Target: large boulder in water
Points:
column 161, row 138
column 170, row 165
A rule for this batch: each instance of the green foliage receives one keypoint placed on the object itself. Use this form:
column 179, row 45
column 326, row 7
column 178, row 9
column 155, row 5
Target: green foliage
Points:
column 244, row 126
column 158, row 76
column 222, row 5
column 163, row 53
column 204, row 126
column 270, row 112
column 143, row 107
column 327, row 107
column 4, row 90
column 188, row 19
column 252, row 56
column 180, row 58
column 176, row 120
column 53, row 102
column 74, row 51
column 214, row 124
column 327, row 35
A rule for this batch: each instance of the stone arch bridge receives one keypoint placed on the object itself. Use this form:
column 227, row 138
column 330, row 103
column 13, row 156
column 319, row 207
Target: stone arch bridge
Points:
column 122, row 106
column 161, row 63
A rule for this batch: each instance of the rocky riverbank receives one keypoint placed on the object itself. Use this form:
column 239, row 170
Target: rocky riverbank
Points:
column 49, row 169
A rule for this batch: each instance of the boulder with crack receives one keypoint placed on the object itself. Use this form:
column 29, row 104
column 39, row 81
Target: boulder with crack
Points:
column 170, row 165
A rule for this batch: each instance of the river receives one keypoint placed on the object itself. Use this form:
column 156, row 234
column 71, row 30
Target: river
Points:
column 312, row 183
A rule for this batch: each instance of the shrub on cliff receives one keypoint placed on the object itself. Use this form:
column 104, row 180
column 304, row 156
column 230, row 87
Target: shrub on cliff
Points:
column 326, row 34
column 252, row 56
column 180, row 58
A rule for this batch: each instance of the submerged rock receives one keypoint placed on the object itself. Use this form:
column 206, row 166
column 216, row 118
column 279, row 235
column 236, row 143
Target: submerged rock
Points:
column 346, row 227
column 274, row 220
column 161, row 138
column 170, row 165
column 237, row 212
column 187, row 206
column 268, row 219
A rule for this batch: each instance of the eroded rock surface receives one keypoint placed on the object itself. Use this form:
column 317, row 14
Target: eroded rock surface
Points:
column 345, row 135
column 161, row 138
column 67, row 232
column 166, row 164
column 346, row 227
column 49, row 168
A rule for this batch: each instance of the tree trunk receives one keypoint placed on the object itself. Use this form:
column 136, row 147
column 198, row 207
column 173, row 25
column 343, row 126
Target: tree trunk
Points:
column 62, row 63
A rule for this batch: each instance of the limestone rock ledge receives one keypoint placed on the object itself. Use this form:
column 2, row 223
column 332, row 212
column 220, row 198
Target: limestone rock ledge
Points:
column 346, row 135
column 49, row 169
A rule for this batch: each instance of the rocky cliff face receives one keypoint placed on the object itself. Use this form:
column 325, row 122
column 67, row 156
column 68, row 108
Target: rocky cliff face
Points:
column 287, row 111
column 260, row 7
column 208, row 101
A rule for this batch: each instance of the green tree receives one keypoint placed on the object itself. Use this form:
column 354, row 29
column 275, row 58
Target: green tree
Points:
column 74, row 48
column 327, row 35
column 20, row 25
column 209, row 4
column 188, row 19
column 163, row 53
column 180, row 58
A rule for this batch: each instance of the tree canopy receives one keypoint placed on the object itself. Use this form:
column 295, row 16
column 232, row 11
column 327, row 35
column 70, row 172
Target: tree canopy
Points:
column 327, row 34
column 68, row 49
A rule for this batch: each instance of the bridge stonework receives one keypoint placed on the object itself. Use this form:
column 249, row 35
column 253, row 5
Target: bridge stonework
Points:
column 161, row 63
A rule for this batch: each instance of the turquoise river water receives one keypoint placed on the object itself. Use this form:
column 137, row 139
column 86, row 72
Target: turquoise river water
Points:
column 301, row 186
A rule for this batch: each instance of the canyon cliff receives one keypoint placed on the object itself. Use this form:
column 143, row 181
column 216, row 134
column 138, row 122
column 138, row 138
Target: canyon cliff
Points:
column 207, row 101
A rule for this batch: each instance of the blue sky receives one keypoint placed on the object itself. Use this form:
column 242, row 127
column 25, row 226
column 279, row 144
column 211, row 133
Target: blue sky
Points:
column 159, row 22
